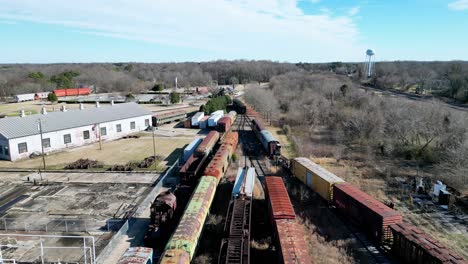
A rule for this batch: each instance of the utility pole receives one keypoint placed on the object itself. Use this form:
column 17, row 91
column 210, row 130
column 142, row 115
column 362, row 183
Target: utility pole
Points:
column 42, row 144
column 154, row 148
column 100, row 138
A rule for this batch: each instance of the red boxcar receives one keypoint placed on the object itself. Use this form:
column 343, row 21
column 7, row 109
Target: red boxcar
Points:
column 191, row 168
column 412, row 245
column 280, row 204
column 72, row 92
column 207, row 144
column 218, row 165
column 363, row 210
column 224, row 124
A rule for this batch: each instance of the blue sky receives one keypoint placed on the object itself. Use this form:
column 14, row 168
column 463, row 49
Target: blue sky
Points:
column 50, row 31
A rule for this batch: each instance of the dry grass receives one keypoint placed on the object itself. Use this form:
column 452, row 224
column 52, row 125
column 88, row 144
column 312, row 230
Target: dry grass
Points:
column 278, row 133
column 113, row 152
column 263, row 244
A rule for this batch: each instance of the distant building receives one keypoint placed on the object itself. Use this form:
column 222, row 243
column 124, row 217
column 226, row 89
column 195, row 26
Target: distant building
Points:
column 19, row 136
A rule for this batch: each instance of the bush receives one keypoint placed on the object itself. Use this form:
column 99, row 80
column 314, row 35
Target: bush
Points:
column 158, row 87
column 216, row 103
column 175, row 98
column 51, row 97
column 234, row 158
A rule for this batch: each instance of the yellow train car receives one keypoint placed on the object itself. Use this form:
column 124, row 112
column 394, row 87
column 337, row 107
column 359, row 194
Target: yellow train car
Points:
column 314, row 176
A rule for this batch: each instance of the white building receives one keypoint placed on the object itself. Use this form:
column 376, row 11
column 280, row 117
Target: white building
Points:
column 20, row 136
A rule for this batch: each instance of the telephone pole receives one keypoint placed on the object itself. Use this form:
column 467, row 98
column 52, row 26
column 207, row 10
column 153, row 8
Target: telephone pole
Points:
column 42, row 144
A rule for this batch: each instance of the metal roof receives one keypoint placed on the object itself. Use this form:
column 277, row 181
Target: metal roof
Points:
column 15, row 127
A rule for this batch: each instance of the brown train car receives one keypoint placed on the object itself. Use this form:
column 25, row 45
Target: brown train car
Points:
column 191, row 167
column 207, row 144
column 412, row 245
column 364, row 211
column 291, row 239
column 231, row 138
column 218, row 165
column 289, row 234
column 163, row 207
column 224, row 124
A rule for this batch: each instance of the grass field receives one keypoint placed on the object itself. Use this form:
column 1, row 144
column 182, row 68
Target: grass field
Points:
column 117, row 152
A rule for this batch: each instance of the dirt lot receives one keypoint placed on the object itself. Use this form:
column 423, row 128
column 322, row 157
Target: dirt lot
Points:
column 112, row 153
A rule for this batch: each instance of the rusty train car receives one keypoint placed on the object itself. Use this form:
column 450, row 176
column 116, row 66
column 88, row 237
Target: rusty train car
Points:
column 72, row 92
column 378, row 221
column 168, row 117
column 289, row 233
column 163, row 208
column 195, row 163
column 184, row 241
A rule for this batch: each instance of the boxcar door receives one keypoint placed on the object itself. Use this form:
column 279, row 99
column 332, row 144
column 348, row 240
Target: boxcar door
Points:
column 309, row 179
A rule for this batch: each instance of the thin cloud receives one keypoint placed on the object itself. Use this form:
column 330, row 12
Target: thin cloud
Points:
column 270, row 29
column 459, row 5
column 353, row 11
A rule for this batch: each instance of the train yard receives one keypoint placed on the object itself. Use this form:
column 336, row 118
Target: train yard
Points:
column 230, row 202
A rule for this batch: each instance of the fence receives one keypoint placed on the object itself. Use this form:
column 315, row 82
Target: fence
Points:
column 47, row 248
column 59, row 225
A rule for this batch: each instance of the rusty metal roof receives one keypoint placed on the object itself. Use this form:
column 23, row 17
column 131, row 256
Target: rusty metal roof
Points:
column 294, row 248
column 279, row 199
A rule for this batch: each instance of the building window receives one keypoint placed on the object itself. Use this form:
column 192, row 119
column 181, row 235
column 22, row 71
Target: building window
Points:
column 86, row 134
column 119, row 128
column 46, row 142
column 22, row 147
column 7, row 151
column 103, row 131
column 1, row 150
column 146, row 122
column 67, row 138
column 132, row 125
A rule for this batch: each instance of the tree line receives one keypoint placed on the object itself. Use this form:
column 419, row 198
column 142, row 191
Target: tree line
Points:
column 428, row 133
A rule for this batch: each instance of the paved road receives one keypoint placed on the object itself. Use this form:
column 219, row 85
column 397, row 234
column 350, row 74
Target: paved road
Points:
column 415, row 97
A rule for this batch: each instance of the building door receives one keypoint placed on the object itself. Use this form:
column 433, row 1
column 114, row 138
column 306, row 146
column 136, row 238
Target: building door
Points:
column 309, row 179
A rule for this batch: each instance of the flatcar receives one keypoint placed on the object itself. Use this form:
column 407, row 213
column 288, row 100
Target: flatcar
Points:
column 168, row 117
column 269, row 143
column 239, row 106
column 290, row 236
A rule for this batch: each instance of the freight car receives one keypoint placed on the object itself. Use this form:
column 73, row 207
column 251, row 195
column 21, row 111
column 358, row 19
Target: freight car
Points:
column 315, row 177
column 239, row 106
column 370, row 215
column 289, row 234
column 183, row 242
column 72, row 92
column 269, row 143
column 137, row 255
column 163, row 207
column 412, row 245
column 236, row 247
column 24, row 97
column 168, row 117
column 190, row 227
column 225, row 123
column 196, row 161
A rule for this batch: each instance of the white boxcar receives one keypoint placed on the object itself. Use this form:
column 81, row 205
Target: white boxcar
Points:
column 188, row 151
column 236, row 190
column 249, row 182
column 215, row 116
column 42, row 95
column 24, row 97
column 196, row 118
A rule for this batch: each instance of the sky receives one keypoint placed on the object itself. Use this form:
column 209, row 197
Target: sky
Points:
column 55, row 31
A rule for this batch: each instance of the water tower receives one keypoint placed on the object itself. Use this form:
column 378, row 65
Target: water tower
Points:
column 369, row 62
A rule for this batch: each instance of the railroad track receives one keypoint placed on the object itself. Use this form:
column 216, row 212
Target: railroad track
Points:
column 254, row 157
